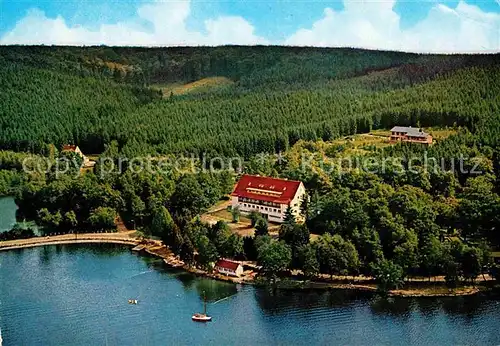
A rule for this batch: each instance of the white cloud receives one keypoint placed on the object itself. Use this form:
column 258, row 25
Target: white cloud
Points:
column 374, row 24
column 370, row 24
column 231, row 30
column 167, row 27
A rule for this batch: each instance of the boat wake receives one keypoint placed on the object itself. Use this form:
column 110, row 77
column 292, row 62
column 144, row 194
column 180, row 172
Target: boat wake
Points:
column 141, row 273
column 220, row 300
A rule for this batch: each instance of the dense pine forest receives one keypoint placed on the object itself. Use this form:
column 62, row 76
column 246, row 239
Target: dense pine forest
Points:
column 90, row 96
column 391, row 223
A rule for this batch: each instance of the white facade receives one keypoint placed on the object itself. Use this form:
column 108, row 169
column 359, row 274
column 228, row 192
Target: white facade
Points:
column 227, row 271
column 273, row 211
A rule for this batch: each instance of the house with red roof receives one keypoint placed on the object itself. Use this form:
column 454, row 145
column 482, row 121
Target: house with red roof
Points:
column 75, row 149
column 227, row 267
column 269, row 196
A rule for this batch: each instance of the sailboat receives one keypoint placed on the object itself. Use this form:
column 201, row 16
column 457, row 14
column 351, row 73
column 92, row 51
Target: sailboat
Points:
column 198, row 317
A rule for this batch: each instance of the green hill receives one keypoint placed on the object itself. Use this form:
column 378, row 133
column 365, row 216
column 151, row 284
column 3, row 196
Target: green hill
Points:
column 91, row 96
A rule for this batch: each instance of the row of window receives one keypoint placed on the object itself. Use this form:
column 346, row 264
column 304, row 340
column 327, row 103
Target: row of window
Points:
column 254, row 201
column 420, row 139
column 265, row 193
column 275, row 210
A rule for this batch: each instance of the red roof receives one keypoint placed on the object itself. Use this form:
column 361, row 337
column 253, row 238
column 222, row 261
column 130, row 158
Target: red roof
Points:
column 69, row 147
column 227, row 264
column 267, row 189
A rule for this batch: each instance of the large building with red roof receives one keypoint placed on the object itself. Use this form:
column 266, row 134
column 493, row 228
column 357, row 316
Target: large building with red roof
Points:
column 269, row 196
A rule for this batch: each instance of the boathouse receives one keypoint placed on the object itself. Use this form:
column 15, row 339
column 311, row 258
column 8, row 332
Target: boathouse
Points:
column 227, row 267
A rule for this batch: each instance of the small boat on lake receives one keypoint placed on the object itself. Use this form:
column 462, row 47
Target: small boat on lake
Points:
column 132, row 301
column 202, row 317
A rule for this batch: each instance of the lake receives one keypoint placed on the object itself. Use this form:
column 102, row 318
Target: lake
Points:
column 75, row 294
column 7, row 213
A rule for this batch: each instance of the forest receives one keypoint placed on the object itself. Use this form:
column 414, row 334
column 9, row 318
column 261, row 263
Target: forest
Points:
column 388, row 223
column 59, row 95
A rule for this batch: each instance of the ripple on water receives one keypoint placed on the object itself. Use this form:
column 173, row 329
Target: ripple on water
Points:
column 73, row 295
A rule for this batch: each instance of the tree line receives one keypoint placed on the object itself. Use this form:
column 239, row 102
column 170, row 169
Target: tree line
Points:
column 285, row 95
column 387, row 224
column 396, row 223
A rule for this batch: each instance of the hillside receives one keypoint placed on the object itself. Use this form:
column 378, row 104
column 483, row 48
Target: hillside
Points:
column 394, row 218
column 271, row 96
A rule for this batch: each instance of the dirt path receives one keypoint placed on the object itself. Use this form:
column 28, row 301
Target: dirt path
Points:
column 126, row 238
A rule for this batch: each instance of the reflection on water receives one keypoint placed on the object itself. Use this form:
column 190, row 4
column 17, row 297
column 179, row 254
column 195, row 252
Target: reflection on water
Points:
column 468, row 306
column 214, row 290
column 187, row 279
column 7, row 213
column 276, row 302
column 101, row 250
column 78, row 295
column 46, row 254
column 392, row 306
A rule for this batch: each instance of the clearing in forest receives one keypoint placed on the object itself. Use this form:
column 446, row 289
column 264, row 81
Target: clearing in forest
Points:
column 202, row 85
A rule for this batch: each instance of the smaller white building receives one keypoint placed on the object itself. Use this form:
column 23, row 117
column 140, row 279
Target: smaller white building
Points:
column 269, row 196
column 226, row 267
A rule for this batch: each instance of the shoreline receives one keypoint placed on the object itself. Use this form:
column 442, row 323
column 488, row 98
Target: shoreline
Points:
column 67, row 242
column 65, row 239
column 157, row 249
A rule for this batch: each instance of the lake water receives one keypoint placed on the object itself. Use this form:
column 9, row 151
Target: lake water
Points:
column 7, row 213
column 77, row 295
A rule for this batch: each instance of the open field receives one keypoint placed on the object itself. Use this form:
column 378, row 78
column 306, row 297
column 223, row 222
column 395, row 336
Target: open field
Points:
column 202, row 85
column 364, row 143
column 243, row 227
column 436, row 132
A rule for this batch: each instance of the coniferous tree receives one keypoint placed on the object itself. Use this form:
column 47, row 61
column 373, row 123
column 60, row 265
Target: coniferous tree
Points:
column 289, row 218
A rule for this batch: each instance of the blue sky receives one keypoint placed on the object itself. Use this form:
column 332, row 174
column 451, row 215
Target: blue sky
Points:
column 471, row 25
